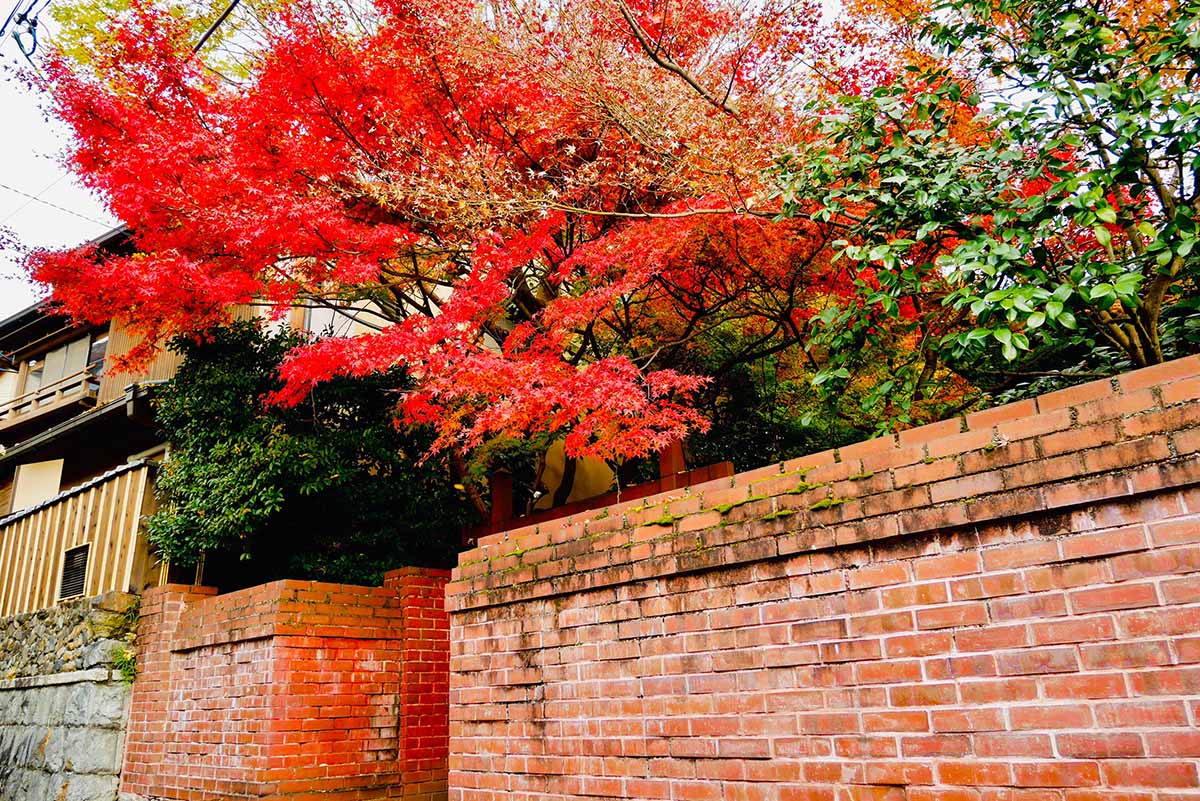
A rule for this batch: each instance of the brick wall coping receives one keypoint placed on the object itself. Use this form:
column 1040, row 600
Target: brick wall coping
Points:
column 284, row 608
column 1120, row 437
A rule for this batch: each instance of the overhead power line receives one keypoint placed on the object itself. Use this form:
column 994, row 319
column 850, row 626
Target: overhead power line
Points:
column 36, row 199
column 217, row 24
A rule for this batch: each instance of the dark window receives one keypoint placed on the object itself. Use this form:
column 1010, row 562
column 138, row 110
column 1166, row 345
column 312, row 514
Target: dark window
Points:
column 97, row 352
column 74, row 572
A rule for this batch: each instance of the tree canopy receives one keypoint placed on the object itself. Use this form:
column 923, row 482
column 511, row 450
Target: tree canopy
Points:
column 546, row 209
column 590, row 220
column 1043, row 185
column 328, row 489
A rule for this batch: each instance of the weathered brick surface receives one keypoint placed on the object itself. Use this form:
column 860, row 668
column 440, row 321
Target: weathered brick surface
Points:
column 1005, row 607
column 292, row 690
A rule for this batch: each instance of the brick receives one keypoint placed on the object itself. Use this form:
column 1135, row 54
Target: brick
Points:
column 1099, row 746
column 966, row 487
column 1005, row 454
column 925, row 473
column 1165, row 373
column 1160, row 621
column 1013, row 745
column 923, row 695
column 1134, row 714
column 1076, row 439
column 967, row 720
column 956, row 444
column 975, row 773
column 1026, row 427
column 953, row 564
column 1084, row 685
column 1101, row 599
column 959, row 667
column 878, row 575
column 952, row 616
column 1104, row 543
column 1037, row 660
column 1127, row 654
column 984, row 420
column 1051, row 717
column 1151, row 774
column 897, row 721
column 1074, row 630
column 1042, row 605
column 1181, row 591
column 1067, row 466
column 915, row 595
column 940, row 745
column 888, row 623
column 1059, row 773
column 1022, row 555
column 1175, row 532
column 1174, row 418
column 1115, row 407
column 1168, row 681
column 992, row 639
column 931, row 432
column 1160, row 562
column 918, row 645
column 1068, row 575
column 991, row 586
column 1181, row 391
column 1074, row 396
column 850, row 650
column 1173, row 744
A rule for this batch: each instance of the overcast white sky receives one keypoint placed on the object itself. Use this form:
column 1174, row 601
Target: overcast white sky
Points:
column 31, row 164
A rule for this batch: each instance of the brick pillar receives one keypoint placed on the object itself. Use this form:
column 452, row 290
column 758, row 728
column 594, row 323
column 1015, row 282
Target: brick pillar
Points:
column 424, row 680
column 146, row 736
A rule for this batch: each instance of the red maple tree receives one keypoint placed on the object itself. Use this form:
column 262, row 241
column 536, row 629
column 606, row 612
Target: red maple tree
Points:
column 545, row 210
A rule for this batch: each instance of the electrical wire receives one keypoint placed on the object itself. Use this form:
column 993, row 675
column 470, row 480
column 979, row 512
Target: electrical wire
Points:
column 36, row 199
column 16, row 13
column 212, row 28
column 15, row 18
column 25, row 205
column 25, row 28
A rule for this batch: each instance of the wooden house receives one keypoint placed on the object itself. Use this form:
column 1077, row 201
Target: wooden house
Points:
column 77, row 466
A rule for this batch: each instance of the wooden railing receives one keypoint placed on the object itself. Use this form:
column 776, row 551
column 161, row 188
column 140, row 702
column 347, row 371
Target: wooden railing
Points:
column 672, row 475
column 104, row 513
column 77, row 386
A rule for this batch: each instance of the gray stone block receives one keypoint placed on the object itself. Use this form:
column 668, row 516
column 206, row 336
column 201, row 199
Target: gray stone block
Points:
column 100, row 653
column 93, row 752
column 91, row 788
column 54, row 749
column 110, row 705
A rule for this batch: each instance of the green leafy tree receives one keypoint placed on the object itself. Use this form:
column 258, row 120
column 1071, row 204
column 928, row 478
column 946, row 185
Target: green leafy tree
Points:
column 329, row 489
column 1045, row 192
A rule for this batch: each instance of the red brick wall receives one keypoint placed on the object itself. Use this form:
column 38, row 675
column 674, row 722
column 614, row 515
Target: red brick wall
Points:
column 1001, row 607
column 291, row 689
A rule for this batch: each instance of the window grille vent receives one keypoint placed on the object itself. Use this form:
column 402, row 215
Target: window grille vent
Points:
column 74, row 572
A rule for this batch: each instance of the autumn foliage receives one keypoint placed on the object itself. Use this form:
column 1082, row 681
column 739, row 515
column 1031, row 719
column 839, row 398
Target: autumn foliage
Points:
column 550, row 213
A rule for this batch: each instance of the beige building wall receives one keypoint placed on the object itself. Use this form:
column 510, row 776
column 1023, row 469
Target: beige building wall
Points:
column 36, row 482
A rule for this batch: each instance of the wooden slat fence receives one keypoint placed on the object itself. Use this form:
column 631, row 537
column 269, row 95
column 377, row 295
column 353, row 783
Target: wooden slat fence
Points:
column 105, row 513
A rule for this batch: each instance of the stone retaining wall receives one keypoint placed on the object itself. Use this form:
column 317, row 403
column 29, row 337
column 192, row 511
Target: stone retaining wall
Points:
column 63, row 703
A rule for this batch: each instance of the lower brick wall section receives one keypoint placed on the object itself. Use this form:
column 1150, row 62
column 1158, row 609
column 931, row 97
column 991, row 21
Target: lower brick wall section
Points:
column 1046, row 659
column 292, row 690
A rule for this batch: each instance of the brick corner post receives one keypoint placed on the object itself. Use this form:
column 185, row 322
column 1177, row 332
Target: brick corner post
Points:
column 424, row 680
column 145, row 738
